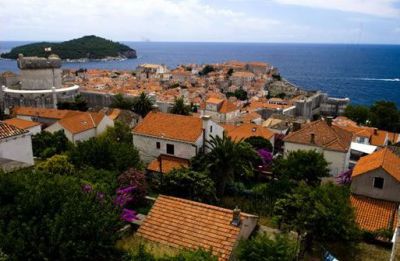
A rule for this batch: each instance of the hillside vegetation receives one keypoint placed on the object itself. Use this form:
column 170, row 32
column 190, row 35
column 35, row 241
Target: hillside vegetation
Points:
column 90, row 47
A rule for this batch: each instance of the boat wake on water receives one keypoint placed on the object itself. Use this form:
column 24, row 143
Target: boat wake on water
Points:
column 384, row 80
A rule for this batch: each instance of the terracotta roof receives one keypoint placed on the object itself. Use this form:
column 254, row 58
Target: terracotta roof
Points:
column 384, row 158
column 327, row 137
column 170, row 126
column 183, row 223
column 7, row 130
column 44, row 112
column 22, row 124
column 81, row 122
column 168, row 163
column 114, row 114
column 247, row 130
column 228, row 106
column 374, row 214
column 243, row 74
column 214, row 100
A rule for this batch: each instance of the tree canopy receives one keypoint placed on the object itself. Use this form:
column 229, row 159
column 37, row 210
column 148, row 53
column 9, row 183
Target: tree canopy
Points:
column 263, row 248
column 142, row 104
column 308, row 166
column 259, row 142
column 92, row 47
column 46, row 144
column 180, row 107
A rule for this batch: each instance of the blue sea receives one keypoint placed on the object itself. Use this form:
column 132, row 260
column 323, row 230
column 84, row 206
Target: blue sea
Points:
column 364, row 73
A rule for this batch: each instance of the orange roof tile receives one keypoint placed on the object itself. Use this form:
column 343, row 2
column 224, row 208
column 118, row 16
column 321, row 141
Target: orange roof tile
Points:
column 82, row 121
column 247, row 130
column 374, row 214
column 228, row 106
column 170, row 126
column 44, row 112
column 22, row 124
column 114, row 114
column 214, row 100
column 168, row 163
column 327, row 137
column 7, row 130
column 385, row 158
column 187, row 224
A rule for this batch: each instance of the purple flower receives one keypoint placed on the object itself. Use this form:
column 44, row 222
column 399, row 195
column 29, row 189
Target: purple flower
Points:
column 345, row 177
column 265, row 155
column 129, row 215
column 87, row 188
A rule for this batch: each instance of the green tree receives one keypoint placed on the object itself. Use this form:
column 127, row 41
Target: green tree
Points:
column 49, row 217
column 227, row 157
column 120, row 133
column 46, row 144
column 302, row 165
column 241, row 94
column 357, row 113
column 259, row 142
column 230, row 72
column 385, row 116
column 263, row 248
column 321, row 213
column 121, row 102
column 206, row 70
column 57, row 164
column 105, row 154
column 142, row 104
column 188, row 184
column 180, row 107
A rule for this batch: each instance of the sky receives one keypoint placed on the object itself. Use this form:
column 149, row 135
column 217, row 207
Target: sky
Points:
column 294, row 21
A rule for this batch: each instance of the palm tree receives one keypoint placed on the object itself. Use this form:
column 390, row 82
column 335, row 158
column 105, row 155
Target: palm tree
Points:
column 180, row 107
column 227, row 157
column 142, row 104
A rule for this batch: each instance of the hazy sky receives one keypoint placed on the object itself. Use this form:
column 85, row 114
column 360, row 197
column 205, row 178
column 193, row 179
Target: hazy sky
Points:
column 328, row 21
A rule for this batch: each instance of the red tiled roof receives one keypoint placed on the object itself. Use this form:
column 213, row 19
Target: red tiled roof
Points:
column 247, row 130
column 384, row 158
column 44, row 112
column 327, row 137
column 374, row 214
column 183, row 223
column 170, row 126
column 22, row 124
column 7, row 130
column 82, row 121
column 168, row 163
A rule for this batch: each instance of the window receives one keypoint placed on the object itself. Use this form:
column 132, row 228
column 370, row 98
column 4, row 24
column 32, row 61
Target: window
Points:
column 378, row 182
column 170, row 149
column 158, row 144
column 211, row 128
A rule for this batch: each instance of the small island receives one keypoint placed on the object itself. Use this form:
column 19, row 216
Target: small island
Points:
column 85, row 48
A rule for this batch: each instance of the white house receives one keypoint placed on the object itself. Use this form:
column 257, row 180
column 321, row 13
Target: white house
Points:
column 15, row 147
column 177, row 135
column 221, row 111
column 31, row 126
column 82, row 126
column 321, row 136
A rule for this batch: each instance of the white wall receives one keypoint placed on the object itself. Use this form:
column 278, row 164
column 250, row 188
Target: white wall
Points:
column 18, row 148
column 35, row 129
column 338, row 161
column 148, row 149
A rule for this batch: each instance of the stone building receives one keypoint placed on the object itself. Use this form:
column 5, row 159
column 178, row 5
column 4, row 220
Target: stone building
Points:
column 40, row 84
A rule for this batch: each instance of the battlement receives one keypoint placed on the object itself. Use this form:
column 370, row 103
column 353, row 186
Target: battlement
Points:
column 34, row 62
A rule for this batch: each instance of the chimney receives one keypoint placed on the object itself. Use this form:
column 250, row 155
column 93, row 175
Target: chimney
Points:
column 236, row 217
column 205, row 119
column 312, row 137
column 329, row 120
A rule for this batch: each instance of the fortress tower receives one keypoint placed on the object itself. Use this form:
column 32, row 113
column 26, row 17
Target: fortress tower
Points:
column 40, row 84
